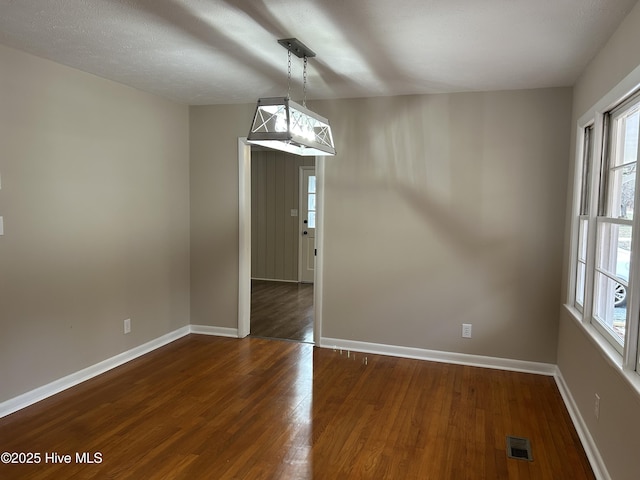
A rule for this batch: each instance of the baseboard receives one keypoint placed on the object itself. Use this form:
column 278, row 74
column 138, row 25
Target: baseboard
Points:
column 440, row 356
column 590, row 448
column 29, row 398
column 274, row 280
column 57, row 386
column 217, row 331
column 597, row 464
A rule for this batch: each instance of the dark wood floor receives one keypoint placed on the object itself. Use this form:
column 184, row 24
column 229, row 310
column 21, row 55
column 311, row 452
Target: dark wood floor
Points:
column 282, row 310
column 220, row 408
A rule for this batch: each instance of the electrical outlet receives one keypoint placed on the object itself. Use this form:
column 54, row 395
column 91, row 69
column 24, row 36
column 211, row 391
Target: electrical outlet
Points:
column 466, row 330
column 596, row 407
column 127, row 325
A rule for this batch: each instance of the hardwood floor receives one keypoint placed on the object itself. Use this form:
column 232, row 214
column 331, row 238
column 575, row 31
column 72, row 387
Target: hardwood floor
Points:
column 282, row 310
column 219, row 408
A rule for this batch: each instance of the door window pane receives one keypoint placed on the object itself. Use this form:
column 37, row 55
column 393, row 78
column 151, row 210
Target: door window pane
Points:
column 311, row 202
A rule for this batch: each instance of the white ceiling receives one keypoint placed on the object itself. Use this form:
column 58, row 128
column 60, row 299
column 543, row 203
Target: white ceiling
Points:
column 226, row 51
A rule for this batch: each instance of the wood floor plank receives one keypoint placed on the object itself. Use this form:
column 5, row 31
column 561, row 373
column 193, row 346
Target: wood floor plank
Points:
column 282, row 310
column 206, row 407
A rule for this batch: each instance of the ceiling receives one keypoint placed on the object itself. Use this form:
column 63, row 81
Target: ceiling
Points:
column 225, row 51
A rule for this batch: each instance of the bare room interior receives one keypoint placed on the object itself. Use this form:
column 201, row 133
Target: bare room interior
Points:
column 441, row 282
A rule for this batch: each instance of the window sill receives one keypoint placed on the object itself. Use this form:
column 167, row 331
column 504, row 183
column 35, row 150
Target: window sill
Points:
column 610, row 354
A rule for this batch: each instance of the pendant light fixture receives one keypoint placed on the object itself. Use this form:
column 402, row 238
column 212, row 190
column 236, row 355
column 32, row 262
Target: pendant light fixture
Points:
column 282, row 124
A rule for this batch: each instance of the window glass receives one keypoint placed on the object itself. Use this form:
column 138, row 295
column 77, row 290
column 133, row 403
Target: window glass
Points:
column 580, row 283
column 581, row 266
column 609, row 309
column 623, row 161
column 615, row 228
column 612, row 279
column 585, row 192
column 582, row 240
column 583, row 223
column 622, row 190
column 614, row 250
column 626, row 137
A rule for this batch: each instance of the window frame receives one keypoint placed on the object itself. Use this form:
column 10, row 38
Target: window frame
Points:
column 584, row 199
column 592, row 155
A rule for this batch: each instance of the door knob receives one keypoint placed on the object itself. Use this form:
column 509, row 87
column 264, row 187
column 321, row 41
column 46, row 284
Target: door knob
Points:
column 305, row 232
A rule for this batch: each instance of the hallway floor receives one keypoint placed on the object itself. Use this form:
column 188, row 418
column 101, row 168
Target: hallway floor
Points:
column 282, row 310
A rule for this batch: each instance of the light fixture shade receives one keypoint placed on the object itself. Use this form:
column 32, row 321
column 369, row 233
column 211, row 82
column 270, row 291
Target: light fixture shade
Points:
column 282, row 124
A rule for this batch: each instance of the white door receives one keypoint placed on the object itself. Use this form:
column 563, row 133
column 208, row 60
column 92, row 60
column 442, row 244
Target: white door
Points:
column 307, row 226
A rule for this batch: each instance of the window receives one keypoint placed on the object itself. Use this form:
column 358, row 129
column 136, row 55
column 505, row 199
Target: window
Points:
column 615, row 223
column 605, row 225
column 583, row 218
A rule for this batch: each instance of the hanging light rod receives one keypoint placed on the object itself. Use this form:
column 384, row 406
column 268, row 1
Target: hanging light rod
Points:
column 281, row 124
column 296, row 47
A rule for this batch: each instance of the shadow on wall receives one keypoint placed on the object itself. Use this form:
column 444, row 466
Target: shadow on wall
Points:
column 446, row 193
column 437, row 164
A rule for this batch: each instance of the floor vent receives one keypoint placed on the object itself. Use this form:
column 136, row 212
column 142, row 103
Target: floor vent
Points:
column 519, row 448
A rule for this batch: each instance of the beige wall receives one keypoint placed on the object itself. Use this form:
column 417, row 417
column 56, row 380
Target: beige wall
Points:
column 95, row 180
column 274, row 232
column 447, row 209
column 582, row 364
column 214, row 133
column 439, row 210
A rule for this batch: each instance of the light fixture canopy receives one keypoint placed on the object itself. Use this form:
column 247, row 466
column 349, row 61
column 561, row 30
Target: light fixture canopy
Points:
column 282, row 124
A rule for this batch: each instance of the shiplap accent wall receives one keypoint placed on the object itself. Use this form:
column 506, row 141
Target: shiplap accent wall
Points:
column 274, row 232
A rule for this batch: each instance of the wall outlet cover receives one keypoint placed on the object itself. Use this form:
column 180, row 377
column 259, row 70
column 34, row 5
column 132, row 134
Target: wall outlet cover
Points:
column 466, row 330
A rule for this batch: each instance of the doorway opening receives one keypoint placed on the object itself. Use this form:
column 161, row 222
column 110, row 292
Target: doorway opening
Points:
column 280, row 264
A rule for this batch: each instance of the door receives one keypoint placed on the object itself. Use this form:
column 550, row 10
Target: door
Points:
column 307, row 225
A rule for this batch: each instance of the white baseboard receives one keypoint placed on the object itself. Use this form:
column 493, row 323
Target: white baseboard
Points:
column 217, row 331
column 590, row 448
column 29, row 398
column 440, row 356
column 274, row 280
